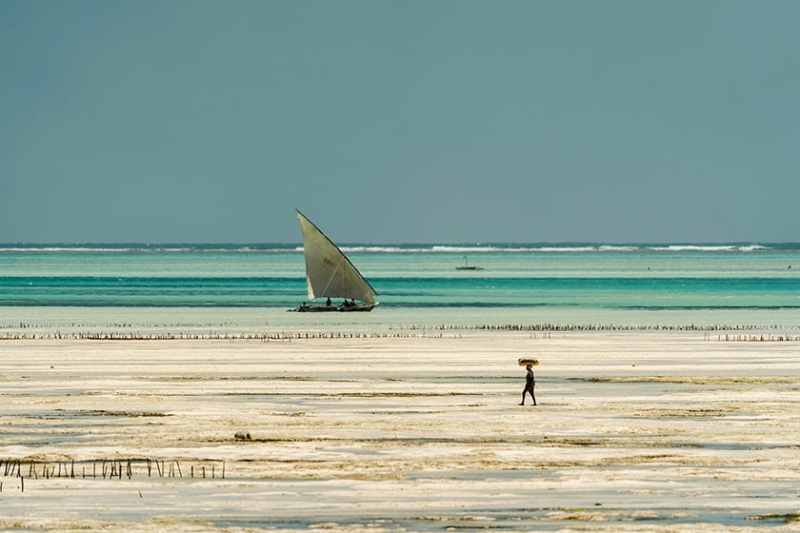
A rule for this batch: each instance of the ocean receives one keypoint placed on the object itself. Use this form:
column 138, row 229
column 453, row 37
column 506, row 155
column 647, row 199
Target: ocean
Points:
column 539, row 286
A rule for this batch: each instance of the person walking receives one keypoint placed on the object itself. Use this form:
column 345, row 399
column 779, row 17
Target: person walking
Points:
column 530, row 383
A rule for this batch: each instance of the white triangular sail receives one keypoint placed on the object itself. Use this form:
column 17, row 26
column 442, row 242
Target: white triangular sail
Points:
column 329, row 273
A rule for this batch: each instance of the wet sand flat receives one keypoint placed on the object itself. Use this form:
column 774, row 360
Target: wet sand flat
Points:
column 634, row 431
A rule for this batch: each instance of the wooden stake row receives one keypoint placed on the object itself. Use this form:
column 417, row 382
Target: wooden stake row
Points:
column 105, row 469
column 137, row 336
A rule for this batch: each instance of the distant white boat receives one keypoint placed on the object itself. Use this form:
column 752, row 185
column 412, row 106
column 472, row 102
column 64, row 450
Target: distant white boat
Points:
column 330, row 274
column 466, row 265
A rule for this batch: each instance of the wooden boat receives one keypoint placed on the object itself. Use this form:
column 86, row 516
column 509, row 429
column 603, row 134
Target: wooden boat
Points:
column 330, row 274
column 466, row 265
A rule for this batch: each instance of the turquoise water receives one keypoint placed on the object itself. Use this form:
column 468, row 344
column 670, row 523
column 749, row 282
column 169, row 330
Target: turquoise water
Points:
column 592, row 284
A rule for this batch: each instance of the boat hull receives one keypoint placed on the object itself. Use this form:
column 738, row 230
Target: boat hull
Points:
column 335, row 308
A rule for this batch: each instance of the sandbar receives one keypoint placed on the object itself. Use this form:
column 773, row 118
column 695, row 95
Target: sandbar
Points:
column 420, row 431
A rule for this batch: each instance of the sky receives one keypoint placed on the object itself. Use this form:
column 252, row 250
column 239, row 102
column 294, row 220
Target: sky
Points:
column 446, row 121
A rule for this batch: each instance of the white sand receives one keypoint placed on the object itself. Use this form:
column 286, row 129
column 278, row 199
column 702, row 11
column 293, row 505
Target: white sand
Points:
column 633, row 432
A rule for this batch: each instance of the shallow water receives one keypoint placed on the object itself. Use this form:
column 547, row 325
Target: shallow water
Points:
column 529, row 284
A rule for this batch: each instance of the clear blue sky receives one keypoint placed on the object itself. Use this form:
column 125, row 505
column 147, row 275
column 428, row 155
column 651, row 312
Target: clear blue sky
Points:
column 400, row 121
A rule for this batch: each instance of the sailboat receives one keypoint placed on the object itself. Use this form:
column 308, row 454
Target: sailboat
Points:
column 467, row 266
column 330, row 274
